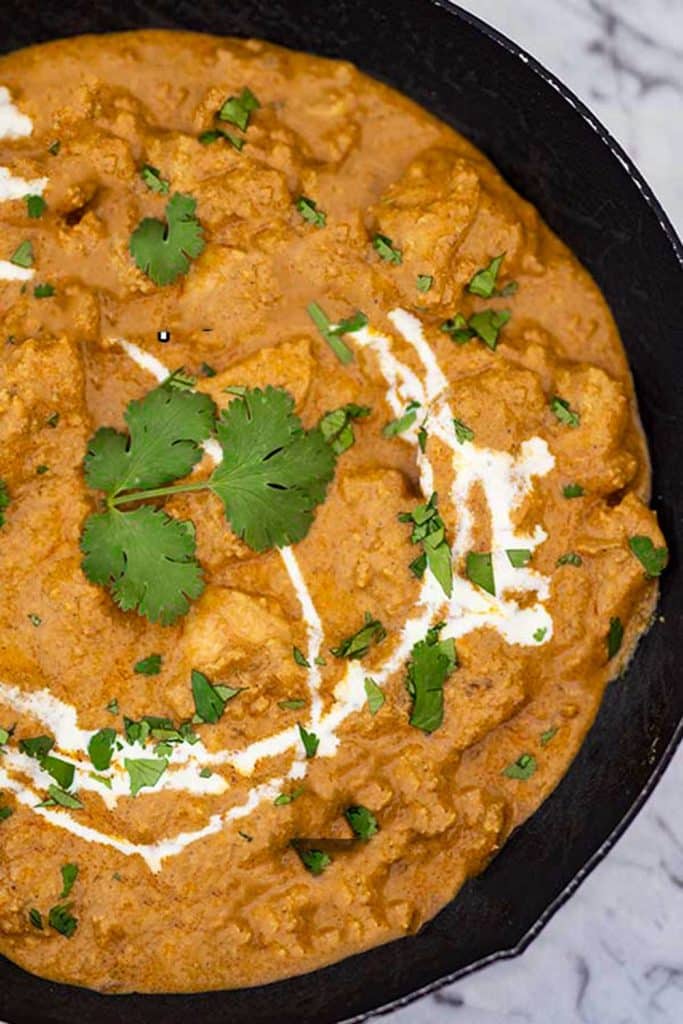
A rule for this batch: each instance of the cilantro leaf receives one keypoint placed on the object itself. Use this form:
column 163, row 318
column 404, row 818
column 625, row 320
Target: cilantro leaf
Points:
column 308, row 209
column 429, row 530
column 22, row 255
column 237, row 110
column 287, row 798
column 564, row 413
column 69, row 876
column 44, row 291
column 61, row 771
column 314, row 861
column 479, row 569
column 484, row 281
column 59, row 796
column 523, row 768
column 36, row 918
column 487, row 325
column 149, row 666
column 6, row 812
column 424, row 282
column 5, row 501
column 332, row 332
column 456, row 327
column 144, row 772
column 163, row 251
column 518, row 557
column 653, row 560
column 292, row 704
column 310, row 741
column 386, row 249
column 359, row 643
column 274, row 473
column 38, row 746
column 101, row 748
column 35, row 206
column 615, row 637
column 462, row 431
column 153, row 180
column 300, row 658
column 399, row 426
column 62, row 920
column 214, row 134
column 146, row 559
column 210, row 700
column 432, row 661
column 573, row 491
column 166, row 429
column 362, row 821
column 337, row 426
column 570, row 558
column 548, row 735
column 375, row 695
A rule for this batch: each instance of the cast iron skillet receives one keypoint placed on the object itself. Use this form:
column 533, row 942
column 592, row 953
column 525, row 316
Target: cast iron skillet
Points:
column 557, row 155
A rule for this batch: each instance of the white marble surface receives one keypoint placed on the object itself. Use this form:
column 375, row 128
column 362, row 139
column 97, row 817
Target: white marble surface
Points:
column 614, row 953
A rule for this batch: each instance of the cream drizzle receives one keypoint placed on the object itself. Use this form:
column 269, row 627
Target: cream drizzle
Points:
column 13, row 124
column 10, row 272
column 12, row 187
column 506, row 480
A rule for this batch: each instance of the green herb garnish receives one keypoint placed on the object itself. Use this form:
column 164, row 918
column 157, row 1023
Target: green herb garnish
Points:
column 44, row 291
column 35, row 206
column 308, row 209
column 615, row 637
column 462, row 432
column 386, row 249
column 310, row 741
column 101, row 749
column 287, row 798
column 424, row 282
column 523, row 768
column 570, row 558
column 548, row 735
column 518, row 557
column 163, row 251
column 214, row 134
column 69, row 876
column 484, row 281
column 314, row 861
column 149, row 666
column 429, row 530
column 62, row 920
column 653, row 560
column 5, row 501
column 153, row 180
column 573, row 491
column 210, row 700
column 332, row 333
column 237, row 110
column 22, row 255
column 479, row 569
column 375, row 695
column 300, row 658
column 564, row 413
column 362, row 821
column 432, row 661
column 337, row 426
column 144, row 772
column 360, row 642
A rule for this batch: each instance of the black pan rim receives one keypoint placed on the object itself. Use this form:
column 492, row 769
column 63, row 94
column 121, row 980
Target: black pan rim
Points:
column 667, row 754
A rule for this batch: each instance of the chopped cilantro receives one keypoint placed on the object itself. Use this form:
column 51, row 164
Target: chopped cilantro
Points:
column 44, row 291
column 153, row 180
column 210, row 700
column 360, row 642
column 462, row 432
column 539, row 634
column 653, row 560
column 422, row 436
column 386, row 250
column 483, row 283
column 34, row 619
column 38, row 746
column 432, row 661
column 518, row 557
column 548, row 735
column 207, row 370
column 69, row 876
column 570, row 558
column 429, row 530
column 310, row 741
column 205, row 773
column 300, row 657
column 424, row 282
column 615, row 637
column 399, row 426
column 573, row 491
column 332, row 333
column 5, row 735
column 61, row 771
column 149, row 666
column 362, row 821
column 563, row 411
column 6, row 812
column 144, row 772
column 54, row 147
column 309, row 211
column 35, row 206
column 52, row 420
column 337, row 426
column 22, row 255
column 456, row 327
column 237, row 110
column 487, row 325
column 214, row 134
column 5, row 501
column 36, row 918
column 292, row 704
column 163, row 250
column 479, row 569
column 113, row 706
column 314, row 861
column 59, row 796
column 62, row 920
column 101, row 748
column 374, row 694
column 287, row 798
column 523, row 768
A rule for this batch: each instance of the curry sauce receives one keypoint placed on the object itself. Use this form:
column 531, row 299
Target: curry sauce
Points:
column 271, row 695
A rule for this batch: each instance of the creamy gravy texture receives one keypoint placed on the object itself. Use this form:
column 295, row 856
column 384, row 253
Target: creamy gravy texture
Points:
column 506, row 395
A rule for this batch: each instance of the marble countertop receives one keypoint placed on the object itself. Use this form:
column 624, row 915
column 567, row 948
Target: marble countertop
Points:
column 614, row 953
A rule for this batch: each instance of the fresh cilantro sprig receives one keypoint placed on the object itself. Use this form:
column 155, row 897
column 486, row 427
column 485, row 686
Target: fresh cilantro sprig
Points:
column 163, row 250
column 272, row 476
column 429, row 530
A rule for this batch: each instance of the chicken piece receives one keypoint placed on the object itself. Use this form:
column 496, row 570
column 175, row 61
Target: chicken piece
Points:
column 287, row 366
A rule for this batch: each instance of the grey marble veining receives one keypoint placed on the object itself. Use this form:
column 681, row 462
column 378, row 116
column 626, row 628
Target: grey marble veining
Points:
column 614, row 953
